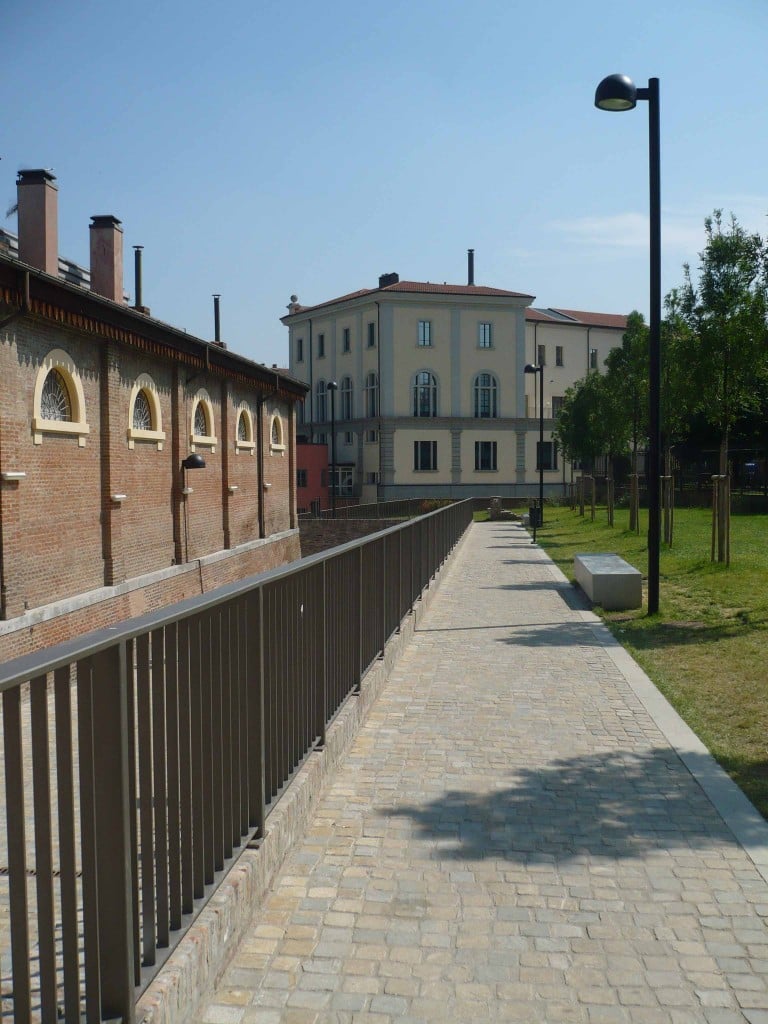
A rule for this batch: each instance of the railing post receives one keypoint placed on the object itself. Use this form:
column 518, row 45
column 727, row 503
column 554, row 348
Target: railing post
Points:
column 113, row 855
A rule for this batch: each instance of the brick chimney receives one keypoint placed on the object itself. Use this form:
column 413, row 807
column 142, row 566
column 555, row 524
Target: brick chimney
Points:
column 38, row 200
column 107, row 257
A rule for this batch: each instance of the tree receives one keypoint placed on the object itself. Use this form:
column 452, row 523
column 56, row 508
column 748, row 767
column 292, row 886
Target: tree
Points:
column 724, row 346
column 627, row 376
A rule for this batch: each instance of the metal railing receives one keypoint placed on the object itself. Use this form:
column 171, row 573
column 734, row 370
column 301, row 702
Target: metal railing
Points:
column 402, row 508
column 140, row 760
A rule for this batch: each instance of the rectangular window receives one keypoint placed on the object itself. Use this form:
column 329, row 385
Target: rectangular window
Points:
column 371, row 436
column 557, row 405
column 301, row 478
column 299, row 350
column 484, row 336
column 485, row 456
column 559, row 355
column 371, row 478
column 321, row 346
column 593, row 359
column 424, row 455
column 344, row 477
column 371, row 335
column 349, row 438
column 425, row 333
column 345, row 340
column 546, row 455
column 541, row 355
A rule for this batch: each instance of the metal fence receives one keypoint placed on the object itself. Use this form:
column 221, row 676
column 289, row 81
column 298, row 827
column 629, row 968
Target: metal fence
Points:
column 402, row 508
column 140, row 760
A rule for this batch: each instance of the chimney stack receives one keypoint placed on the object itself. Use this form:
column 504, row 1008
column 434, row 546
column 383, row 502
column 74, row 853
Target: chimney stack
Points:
column 38, row 200
column 107, row 257
column 216, row 320
column 470, row 266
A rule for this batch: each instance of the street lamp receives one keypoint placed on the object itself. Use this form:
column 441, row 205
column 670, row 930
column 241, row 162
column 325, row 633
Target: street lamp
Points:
column 538, row 520
column 332, row 389
column 617, row 92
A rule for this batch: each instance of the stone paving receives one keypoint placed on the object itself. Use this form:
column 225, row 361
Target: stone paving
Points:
column 511, row 838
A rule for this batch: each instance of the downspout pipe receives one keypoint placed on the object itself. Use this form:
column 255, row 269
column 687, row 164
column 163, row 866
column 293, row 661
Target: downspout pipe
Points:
column 260, row 463
column 378, row 396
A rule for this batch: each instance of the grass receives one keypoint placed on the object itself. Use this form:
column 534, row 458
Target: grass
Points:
column 707, row 649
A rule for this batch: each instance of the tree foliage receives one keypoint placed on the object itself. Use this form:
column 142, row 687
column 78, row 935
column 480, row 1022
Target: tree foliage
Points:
column 724, row 343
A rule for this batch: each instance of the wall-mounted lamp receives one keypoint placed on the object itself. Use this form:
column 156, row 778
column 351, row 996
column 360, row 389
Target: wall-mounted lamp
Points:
column 9, row 474
column 232, row 488
column 187, row 490
column 118, row 498
column 193, row 461
column 266, row 485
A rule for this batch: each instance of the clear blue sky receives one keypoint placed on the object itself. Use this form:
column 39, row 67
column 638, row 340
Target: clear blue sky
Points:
column 259, row 149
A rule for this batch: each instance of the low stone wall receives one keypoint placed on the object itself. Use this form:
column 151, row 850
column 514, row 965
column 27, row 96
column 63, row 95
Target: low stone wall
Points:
column 197, row 964
column 322, row 534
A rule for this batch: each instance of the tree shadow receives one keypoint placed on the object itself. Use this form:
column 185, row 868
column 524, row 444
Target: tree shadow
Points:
column 552, row 634
column 613, row 805
column 576, row 599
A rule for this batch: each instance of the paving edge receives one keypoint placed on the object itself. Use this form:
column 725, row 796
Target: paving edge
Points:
column 193, row 969
column 737, row 811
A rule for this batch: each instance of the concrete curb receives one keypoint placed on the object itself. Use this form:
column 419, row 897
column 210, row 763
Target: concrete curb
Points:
column 195, row 966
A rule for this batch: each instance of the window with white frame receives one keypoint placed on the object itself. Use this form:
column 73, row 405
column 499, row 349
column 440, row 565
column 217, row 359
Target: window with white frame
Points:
column 424, row 456
column 484, row 335
column 593, row 359
column 58, row 405
column 485, row 456
column 276, row 436
column 301, row 478
column 371, row 394
column 144, row 414
column 203, row 432
column 485, row 396
column 320, row 406
column 244, row 441
column 559, row 355
column 546, row 455
column 347, row 404
column 425, row 333
column 541, row 355
column 424, row 394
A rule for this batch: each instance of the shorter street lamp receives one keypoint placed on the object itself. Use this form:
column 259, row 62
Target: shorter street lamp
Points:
column 333, row 388
column 538, row 518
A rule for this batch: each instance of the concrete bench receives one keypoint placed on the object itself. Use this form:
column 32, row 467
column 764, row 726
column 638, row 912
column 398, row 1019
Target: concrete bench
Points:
column 609, row 581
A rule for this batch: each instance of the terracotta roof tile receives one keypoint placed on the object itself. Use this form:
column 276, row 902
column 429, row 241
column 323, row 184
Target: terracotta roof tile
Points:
column 427, row 287
column 596, row 319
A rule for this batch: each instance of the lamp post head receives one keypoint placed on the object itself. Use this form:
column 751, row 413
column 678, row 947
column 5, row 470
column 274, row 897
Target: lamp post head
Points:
column 194, row 461
column 531, row 368
column 332, row 385
column 616, row 92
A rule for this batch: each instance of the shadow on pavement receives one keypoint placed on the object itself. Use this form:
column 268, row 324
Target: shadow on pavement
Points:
column 613, row 805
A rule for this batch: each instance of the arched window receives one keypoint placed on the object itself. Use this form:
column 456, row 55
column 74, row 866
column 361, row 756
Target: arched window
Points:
column 276, row 442
column 486, row 404
column 321, row 415
column 145, row 421
column 203, row 431
column 244, row 441
column 424, row 394
column 372, row 394
column 55, row 403
column 346, row 398
column 59, row 402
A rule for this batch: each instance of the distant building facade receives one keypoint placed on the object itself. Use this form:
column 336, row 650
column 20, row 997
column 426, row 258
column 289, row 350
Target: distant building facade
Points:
column 432, row 398
column 106, row 414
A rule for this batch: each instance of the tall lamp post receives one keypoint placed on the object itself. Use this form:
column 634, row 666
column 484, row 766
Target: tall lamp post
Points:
column 539, row 519
column 332, row 389
column 617, row 92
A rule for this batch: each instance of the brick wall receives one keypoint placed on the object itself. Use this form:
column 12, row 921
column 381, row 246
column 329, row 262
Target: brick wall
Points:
column 321, row 534
column 62, row 533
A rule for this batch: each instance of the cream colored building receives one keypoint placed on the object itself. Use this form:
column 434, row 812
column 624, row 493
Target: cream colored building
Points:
column 431, row 396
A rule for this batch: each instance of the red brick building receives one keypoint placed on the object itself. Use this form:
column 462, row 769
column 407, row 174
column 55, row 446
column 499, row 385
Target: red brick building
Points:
column 105, row 412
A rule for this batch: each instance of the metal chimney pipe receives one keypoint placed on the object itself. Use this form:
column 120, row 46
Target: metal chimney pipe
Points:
column 216, row 320
column 138, row 303
column 470, row 266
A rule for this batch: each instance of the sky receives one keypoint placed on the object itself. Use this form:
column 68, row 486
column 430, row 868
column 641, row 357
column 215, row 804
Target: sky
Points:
column 262, row 149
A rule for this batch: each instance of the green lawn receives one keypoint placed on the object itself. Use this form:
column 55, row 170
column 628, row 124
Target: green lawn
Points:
column 707, row 649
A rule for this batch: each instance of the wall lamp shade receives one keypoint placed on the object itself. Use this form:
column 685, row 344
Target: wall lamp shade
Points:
column 194, row 461
column 616, row 92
